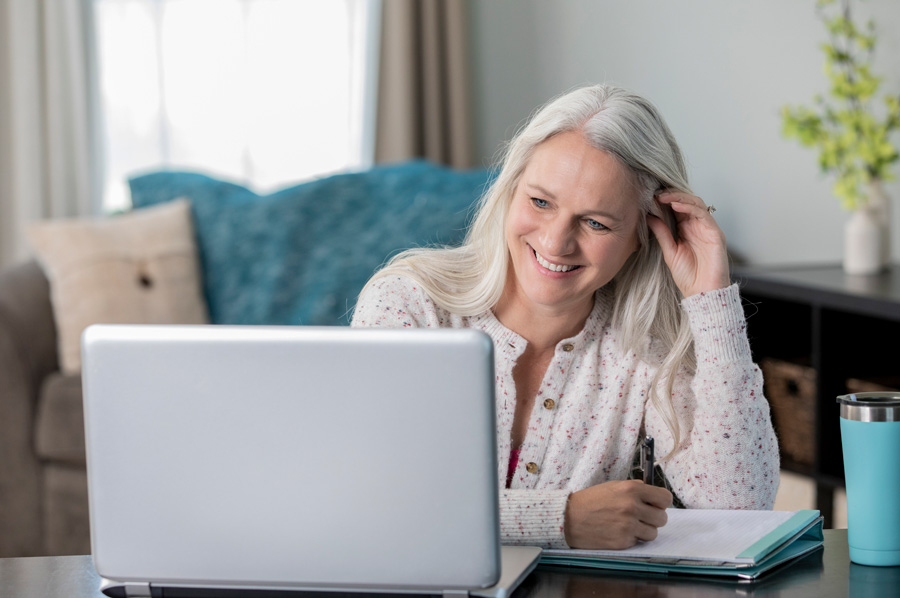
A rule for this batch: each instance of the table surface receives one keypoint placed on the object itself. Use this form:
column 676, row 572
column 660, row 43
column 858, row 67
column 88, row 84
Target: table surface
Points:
column 825, row 573
column 828, row 286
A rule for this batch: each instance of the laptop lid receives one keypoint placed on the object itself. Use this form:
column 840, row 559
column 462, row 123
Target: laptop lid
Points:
column 292, row 457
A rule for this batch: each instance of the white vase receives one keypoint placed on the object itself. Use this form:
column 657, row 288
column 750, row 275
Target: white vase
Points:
column 881, row 204
column 863, row 247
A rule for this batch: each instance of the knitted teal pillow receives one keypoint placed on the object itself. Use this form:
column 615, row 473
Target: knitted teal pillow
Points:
column 301, row 255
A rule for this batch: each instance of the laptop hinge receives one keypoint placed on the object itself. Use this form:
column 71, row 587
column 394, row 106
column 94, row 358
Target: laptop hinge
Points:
column 456, row 594
column 137, row 590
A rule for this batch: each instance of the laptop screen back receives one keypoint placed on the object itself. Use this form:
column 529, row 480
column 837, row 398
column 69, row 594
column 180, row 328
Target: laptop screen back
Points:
column 291, row 457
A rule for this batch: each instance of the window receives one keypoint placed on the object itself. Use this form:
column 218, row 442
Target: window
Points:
column 265, row 92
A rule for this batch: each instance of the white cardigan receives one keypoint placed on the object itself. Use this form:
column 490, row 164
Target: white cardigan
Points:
column 588, row 433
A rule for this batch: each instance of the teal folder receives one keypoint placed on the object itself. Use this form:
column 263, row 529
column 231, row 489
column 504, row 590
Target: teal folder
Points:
column 739, row 544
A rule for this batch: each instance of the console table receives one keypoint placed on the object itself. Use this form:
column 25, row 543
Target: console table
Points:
column 826, row 573
column 842, row 326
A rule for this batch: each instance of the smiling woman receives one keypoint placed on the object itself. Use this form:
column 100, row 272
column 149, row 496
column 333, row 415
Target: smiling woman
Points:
column 603, row 282
column 261, row 91
column 566, row 243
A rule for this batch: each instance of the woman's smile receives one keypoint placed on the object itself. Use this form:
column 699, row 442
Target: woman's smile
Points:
column 552, row 267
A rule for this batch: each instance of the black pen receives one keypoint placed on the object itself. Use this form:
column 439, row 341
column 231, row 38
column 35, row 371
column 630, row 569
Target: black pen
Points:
column 647, row 459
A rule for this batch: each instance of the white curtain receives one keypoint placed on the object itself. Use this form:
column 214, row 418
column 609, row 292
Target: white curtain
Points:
column 264, row 92
column 48, row 149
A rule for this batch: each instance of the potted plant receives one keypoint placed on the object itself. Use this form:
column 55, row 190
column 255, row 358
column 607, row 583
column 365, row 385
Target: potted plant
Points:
column 851, row 135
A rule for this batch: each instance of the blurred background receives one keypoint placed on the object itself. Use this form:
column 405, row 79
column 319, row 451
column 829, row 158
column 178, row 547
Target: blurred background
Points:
column 719, row 72
column 271, row 92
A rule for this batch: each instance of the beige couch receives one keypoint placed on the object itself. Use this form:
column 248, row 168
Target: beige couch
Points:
column 43, row 489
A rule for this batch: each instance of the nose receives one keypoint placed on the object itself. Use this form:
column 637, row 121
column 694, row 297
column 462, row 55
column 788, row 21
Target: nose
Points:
column 557, row 237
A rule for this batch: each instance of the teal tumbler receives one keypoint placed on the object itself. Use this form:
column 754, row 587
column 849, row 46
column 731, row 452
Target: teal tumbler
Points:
column 870, row 433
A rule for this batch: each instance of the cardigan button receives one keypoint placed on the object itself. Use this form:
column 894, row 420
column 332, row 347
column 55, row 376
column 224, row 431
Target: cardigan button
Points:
column 568, row 347
column 549, row 404
column 531, row 467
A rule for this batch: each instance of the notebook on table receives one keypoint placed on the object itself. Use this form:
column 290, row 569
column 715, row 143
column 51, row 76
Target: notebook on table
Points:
column 242, row 460
column 703, row 542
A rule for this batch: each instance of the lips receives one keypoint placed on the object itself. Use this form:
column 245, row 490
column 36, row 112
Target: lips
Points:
column 551, row 266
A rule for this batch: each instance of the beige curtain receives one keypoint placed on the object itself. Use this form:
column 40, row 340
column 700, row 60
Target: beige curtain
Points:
column 423, row 84
column 47, row 137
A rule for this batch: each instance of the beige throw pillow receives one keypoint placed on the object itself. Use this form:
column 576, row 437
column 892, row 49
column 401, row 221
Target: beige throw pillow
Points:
column 137, row 268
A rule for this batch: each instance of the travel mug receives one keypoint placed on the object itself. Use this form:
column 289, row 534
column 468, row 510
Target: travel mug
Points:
column 870, row 433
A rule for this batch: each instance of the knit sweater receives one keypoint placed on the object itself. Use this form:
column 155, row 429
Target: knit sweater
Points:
column 588, row 431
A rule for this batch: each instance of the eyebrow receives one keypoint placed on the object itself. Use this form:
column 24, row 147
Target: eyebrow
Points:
column 541, row 191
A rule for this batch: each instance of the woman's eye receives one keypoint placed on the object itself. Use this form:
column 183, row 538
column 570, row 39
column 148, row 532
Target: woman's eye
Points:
column 595, row 225
column 541, row 203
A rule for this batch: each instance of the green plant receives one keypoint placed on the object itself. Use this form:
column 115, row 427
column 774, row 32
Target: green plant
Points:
column 853, row 142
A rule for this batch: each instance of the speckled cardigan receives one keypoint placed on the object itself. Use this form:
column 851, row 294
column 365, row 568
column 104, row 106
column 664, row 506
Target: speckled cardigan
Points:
column 588, row 432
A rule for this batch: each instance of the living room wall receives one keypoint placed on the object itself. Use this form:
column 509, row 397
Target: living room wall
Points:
column 718, row 70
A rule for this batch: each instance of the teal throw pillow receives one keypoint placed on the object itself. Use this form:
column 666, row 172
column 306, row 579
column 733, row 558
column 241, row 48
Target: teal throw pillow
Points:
column 301, row 255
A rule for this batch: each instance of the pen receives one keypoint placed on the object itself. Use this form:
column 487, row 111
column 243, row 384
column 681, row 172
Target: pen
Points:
column 647, row 459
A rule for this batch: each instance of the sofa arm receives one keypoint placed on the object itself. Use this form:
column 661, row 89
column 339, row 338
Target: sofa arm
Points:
column 27, row 356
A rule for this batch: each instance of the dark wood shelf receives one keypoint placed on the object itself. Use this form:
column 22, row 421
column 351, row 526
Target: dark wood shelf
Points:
column 843, row 326
column 826, row 286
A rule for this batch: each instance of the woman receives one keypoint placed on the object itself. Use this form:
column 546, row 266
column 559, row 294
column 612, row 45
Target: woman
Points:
column 604, row 285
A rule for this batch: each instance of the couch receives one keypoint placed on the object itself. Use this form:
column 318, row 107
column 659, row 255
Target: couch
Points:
column 298, row 256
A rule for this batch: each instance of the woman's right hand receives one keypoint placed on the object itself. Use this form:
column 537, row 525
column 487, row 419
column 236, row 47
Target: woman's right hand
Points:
column 615, row 515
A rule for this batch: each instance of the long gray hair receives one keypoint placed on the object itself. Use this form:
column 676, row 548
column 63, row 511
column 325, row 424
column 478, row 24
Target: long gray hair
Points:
column 470, row 279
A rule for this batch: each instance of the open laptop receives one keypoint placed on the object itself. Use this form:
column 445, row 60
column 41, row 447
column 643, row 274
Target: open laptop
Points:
column 245, row 460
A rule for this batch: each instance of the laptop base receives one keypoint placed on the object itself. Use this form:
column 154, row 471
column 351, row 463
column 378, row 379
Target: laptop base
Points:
column 516, row 563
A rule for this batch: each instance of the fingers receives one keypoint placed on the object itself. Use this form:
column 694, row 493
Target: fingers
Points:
column 657, row 497
column 683, row 202
column 646, row 533
column 687, row 206
column 615, row 514
column 653, row 504
column 652, row 515
column 696, row 254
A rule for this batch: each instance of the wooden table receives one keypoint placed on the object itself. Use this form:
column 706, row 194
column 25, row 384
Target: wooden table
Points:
column 827, row 573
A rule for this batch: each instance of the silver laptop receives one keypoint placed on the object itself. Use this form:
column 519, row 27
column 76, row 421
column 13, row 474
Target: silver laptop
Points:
column 245, row 459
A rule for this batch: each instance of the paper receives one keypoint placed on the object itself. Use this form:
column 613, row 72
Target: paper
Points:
column 698, row 534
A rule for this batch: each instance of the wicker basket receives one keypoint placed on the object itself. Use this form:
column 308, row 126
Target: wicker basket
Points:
column 791, row 390
column 877, row 385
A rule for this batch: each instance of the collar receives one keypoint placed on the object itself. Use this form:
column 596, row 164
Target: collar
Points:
column 510, row 341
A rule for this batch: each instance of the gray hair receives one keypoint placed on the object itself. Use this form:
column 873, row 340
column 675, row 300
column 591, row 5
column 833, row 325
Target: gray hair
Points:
column 470, row 279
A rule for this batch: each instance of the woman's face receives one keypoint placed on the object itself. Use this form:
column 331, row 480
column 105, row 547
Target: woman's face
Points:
column 572, row 225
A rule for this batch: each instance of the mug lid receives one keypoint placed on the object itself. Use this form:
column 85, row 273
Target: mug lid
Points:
column 871, row 399
column 870, row 406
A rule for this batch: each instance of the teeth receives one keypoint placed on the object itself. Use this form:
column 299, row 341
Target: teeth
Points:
column 553, row 267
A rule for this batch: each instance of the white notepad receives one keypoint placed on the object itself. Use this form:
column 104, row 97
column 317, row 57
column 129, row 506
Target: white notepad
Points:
column 709, row 537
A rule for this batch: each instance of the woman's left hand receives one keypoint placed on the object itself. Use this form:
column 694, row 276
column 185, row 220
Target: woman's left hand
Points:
column 698, row 260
